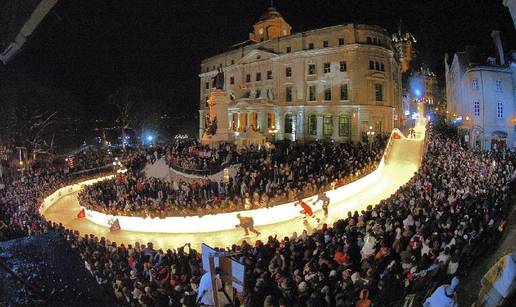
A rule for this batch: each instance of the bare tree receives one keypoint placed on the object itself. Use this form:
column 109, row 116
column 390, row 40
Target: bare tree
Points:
column 125, row 100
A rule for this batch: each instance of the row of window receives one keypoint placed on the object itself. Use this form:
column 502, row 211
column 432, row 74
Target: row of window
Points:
column 375, row 65
column 344, row 123
column 325, row 44
column 310, row 46
column 311, row 70
column 344, row 92
column 498, row 85
column 499, row 109
column 312, row 92
column 374, row 41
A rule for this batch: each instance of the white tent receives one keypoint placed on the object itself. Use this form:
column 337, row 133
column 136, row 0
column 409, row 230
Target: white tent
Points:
column 248, row 138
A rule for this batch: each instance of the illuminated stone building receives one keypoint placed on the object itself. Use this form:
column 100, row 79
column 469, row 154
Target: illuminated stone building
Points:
column 480, row 96
column 334, row 83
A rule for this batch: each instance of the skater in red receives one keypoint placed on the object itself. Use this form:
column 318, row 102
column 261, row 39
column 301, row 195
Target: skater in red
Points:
column 307, row 210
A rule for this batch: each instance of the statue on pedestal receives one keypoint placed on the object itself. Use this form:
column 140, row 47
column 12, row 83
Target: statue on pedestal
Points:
column 219, row 79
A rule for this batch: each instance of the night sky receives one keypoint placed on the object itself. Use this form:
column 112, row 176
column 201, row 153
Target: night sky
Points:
column 90, row 48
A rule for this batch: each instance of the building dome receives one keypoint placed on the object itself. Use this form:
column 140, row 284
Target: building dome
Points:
column 270, row 14
column 271, row 25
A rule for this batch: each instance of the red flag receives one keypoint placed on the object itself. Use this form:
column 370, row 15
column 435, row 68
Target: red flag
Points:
column 81, row 214
column 115, row 226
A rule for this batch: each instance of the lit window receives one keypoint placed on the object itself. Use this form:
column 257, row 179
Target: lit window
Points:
column 312, row 124
column 288, row 93
column 474, row 84
column 378, row 92
column 499, row 109
column 269, row 74
column 498, row 84
column 327, row 92
column 311, row 93
column 325, row 44
column 342, row 66
column 327, row 125
column 344, row 91
column 344, row 126
column 288, row 71
column 271, row 118
column 476, row 108
column 378, row 126
column 258, row 76
column 311, row 69
column 327, row 68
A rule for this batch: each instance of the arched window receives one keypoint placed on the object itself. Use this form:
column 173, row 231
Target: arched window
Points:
column 312, row 124
column 288, row 123
column 344, row 125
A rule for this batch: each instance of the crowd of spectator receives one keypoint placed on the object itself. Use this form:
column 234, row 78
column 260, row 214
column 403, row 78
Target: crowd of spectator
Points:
column 431, row 229
column 265, row 177
column 193, row 155
column 89, row 158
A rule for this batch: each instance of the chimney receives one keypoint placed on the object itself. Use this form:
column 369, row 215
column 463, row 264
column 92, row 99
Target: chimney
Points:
column 498, row 46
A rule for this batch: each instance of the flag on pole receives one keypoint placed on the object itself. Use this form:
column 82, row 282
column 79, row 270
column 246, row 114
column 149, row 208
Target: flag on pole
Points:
column 81, row 214
column 115, row 226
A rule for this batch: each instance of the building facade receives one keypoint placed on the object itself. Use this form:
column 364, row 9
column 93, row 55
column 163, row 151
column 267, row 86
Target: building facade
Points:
column 481, row 97
column 331, row 83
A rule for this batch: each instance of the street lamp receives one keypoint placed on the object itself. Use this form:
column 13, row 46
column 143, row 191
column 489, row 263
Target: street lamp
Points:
column 370, row 135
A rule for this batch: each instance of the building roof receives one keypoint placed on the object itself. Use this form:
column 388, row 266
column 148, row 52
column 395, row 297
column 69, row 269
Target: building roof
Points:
column 271, row 13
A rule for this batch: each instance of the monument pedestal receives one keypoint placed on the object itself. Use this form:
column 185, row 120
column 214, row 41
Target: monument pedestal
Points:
column 218, row 103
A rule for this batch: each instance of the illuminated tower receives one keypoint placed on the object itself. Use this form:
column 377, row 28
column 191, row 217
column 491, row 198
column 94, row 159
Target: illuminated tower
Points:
column 404, row 44
column 270, row 25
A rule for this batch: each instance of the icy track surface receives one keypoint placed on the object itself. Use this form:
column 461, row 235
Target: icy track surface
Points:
column 402, row 162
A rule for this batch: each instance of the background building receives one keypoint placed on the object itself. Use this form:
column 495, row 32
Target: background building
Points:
column 404, row 44
column 331, row 83
column 480, row 96
column 421, row 86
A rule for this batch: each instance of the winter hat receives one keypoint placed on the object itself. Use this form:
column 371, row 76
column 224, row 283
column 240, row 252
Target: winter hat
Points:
column 302, row 287
column 136, row 293
column 268, row 302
